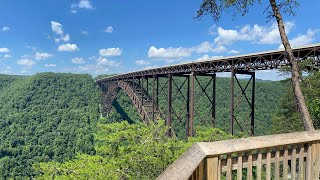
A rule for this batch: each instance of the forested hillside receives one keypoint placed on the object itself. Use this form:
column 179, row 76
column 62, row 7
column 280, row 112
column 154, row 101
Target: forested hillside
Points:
column 45, row 117
column 51, row 118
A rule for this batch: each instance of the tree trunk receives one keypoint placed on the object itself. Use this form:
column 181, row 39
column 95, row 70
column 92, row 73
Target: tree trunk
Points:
column 295, row 76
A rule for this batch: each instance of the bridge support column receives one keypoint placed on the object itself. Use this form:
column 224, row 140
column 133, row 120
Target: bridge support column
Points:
column 188, row 108
column 153, row 84
column 169, row 104
column 213, row 104
column 232, row 100
column 191, row 106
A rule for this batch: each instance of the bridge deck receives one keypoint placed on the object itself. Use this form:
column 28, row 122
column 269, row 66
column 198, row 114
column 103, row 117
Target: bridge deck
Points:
column 255, row 61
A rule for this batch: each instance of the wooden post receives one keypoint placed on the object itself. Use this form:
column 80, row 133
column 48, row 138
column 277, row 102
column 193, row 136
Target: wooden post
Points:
column 212, row 168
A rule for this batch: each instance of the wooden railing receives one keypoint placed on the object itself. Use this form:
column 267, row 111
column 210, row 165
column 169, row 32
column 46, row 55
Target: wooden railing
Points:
column 284, row 156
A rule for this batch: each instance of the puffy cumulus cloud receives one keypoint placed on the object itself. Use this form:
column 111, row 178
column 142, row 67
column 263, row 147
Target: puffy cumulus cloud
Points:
column 142, row 62
column 206, row 47
column 178, row 53
column 303, row 39
column 168, row 53
column 110, row 52
column 109, row 29
column 78, row 60
column 50, row 65
column 105, row 62
column 255, row 34
column 26, row 62
column 42, row 56
column 4, row 50
column 56, row 28
column 68, row 47
column 81, row 4
column 5, row 28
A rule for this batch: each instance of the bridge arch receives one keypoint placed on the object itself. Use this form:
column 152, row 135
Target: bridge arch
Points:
column 139, row 97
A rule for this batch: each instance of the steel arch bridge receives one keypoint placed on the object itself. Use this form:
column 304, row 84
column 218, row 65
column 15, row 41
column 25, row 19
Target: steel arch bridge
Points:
column 143, row 86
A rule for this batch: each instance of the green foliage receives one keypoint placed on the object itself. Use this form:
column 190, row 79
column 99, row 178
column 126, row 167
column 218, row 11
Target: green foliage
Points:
column 287, row 118
column 45, row 117
column 125, row 151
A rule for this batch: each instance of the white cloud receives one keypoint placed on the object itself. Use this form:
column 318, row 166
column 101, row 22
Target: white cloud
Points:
column 109, row 29
column 168, row 53
column 303, row 39
column 211, row 30
column 77, row 60
column 65, row 38
column 4, row 29
column 177, row 53
column 7, row 56
column 105, row 62
column 234, row 52
column 73, row 11
column 56, row 27
column 68, row 47
column 26, row 62
column 4, row 50
column 82, row 4
column 85, row 4
column 255, row 34
column 84, row 32
column 42, row 56
column 207, row 58
column 142, row 62
column 206, row 47
column 50, row 65
column 110, row 52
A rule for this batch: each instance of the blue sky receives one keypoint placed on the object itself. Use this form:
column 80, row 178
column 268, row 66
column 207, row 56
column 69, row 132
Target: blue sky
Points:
column 109, row 36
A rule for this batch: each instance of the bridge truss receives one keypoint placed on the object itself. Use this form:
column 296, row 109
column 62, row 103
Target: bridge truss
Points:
column 144, row 89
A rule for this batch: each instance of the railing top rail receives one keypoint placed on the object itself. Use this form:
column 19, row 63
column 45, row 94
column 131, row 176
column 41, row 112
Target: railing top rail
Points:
column 222, row 59
column 184, row 166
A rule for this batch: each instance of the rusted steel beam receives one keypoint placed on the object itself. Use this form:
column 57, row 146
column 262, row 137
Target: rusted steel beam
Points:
column 153, row 102
column 191, row 106
column 169, row 117
column 253, row 102
column 232, row 101
column 188, row 108
column 213, row 104
column 256, row 61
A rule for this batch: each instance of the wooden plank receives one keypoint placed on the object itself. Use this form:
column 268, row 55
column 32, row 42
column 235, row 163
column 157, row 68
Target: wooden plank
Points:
column 268, row 165
column 293, row 163
column 229, row 168
column 239, row 167
column 315, row 161
column 249, row 168
column 308, row 163
column 259, row 166
column 301, row 163
column 200, row 172
column 277, row 165
column 254, row 160
column 212, row 168
column 285, row 163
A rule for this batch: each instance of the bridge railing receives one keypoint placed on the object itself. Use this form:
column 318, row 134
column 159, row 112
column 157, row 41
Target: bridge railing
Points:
column 283, row 156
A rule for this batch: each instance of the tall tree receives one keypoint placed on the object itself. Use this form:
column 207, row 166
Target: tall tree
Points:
column 215, row 8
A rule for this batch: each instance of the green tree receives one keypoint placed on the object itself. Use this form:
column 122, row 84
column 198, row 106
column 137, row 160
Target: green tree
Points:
column 215, row 8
